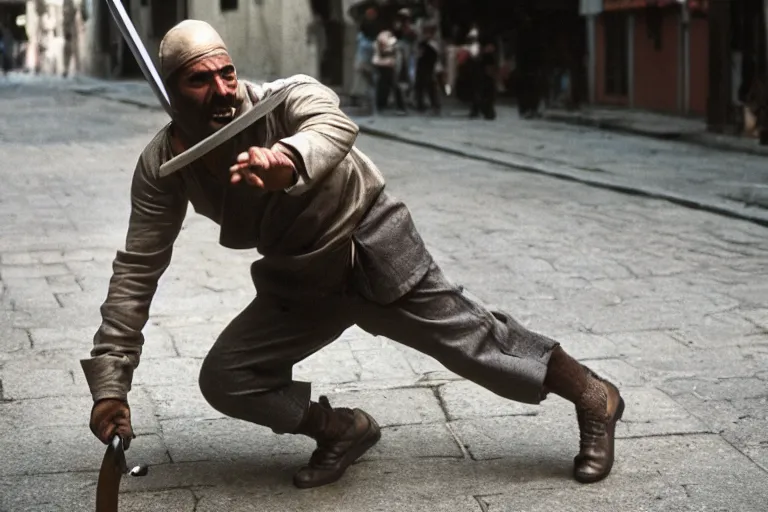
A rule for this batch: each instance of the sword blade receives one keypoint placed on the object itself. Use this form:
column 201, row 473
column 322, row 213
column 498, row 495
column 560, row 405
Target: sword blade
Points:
column 239, row 124
column 178, row 162
column 124, row 23
column 108, row 488
column 113, row 467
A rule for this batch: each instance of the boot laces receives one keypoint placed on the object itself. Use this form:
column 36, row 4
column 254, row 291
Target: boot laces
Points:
column 343, row 419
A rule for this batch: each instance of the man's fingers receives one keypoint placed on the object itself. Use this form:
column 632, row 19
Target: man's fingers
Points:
column 251, row 164
column 284, row 160
column 273, row 157
column 239, row 167
column 254, row 180
column 258, row 159
column 107, row 432
column 240, row 173
column 126, row 434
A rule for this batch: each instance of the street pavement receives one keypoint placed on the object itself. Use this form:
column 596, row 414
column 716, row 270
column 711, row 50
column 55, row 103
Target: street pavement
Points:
column 727, row 182
column 680, row 163
column 669, row 302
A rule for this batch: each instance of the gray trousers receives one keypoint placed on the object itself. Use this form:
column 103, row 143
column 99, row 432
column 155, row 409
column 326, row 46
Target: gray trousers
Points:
column 248, row 372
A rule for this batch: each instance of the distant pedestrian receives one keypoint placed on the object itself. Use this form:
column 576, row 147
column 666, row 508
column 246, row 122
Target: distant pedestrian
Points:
column 364, row 83
column 72, row 60
column 407, row 40
column 482, row 70
column 528, row 57
column 385, row 61
column 6, row 50
column 426, row 70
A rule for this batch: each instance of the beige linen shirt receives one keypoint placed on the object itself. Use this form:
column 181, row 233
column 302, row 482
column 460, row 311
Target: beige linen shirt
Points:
column 303, row 233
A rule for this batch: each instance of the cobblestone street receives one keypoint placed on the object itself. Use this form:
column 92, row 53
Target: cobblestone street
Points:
column 670, row 303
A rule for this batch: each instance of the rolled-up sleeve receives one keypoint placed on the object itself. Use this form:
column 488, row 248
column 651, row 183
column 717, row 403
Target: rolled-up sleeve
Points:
column 158, row 208
column 321, row 134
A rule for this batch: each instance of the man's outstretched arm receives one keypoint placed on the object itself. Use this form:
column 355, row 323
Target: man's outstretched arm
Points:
column 321, row 134
column 158, row 208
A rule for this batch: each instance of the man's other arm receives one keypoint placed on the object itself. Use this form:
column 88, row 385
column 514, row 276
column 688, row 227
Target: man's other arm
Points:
column 158, row 208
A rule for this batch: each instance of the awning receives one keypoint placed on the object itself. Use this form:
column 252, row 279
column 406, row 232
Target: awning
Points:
column 622, row 5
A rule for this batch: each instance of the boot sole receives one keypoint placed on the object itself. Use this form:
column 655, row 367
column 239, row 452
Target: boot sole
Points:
column 612, row 430
column 368, row 441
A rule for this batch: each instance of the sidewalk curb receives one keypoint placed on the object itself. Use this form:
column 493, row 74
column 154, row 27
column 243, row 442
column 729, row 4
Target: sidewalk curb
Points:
column 689, row 202
column 612, row 126
column 574, row 176
column 699, row 139
column 154, row 105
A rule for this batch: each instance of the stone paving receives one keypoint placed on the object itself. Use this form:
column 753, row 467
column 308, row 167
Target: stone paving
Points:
column 669, row 302
column 691, row 130
column 725, row 182
column 692, row 170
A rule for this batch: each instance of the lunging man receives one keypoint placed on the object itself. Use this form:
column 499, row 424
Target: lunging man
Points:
column 338, row 251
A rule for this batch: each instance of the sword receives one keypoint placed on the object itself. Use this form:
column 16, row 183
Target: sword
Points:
column 113, row 467
column 245, row 120
column 236, row 126
column 133, row 40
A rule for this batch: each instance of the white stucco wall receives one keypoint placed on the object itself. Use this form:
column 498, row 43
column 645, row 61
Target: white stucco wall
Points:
column 296, row 54
column 266, row 38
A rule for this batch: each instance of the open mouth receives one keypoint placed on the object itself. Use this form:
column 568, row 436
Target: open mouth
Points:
column 223, row 115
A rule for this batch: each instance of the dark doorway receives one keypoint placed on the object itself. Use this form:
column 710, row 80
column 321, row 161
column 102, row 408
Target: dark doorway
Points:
column 130, row 68
column 616, row 54
column 165, row 14
column 332, row 58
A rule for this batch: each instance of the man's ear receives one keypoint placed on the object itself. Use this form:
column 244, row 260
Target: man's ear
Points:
column 172, row 85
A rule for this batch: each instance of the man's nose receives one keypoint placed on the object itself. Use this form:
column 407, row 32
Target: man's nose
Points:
column 221, row 86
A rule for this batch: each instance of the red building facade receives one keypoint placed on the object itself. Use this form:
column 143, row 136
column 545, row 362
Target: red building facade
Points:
column 652, row 55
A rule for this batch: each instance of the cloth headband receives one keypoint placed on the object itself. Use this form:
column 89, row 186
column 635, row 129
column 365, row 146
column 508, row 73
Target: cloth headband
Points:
column 187, row 42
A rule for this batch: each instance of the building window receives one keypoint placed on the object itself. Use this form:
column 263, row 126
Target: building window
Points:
column 228, row 5
column 164, row 16
column 616, row 54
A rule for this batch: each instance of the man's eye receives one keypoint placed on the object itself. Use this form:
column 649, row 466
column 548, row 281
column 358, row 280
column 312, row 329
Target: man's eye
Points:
column 198, row 78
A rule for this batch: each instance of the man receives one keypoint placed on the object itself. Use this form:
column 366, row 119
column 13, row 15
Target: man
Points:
column 364, row 84
column 385, row 60
column 529, row 60
column 482, row 70
column 338, row 251
column 71, row 26
column 6, row 49
column 426, row 70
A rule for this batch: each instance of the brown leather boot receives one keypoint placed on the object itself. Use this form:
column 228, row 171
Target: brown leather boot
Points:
column 599, row 407
column 597, row 416
column 344, row 436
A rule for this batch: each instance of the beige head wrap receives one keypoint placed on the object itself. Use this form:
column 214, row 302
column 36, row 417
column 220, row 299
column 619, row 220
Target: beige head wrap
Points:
column 186, row 42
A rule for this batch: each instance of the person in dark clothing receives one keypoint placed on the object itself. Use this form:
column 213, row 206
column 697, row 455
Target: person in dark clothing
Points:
column 482, row 68
column 385, row 60
column 528, row 57
column 371, row 25
column 426, row 64
column 6, row 50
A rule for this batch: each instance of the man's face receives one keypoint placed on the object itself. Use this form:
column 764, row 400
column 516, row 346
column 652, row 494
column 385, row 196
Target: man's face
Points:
column 205, row 95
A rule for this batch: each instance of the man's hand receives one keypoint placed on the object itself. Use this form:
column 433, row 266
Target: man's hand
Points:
column 110, row 417
column 264, row 168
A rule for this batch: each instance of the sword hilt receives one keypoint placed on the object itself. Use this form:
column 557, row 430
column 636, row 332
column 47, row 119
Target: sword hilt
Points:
column 119, row 448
